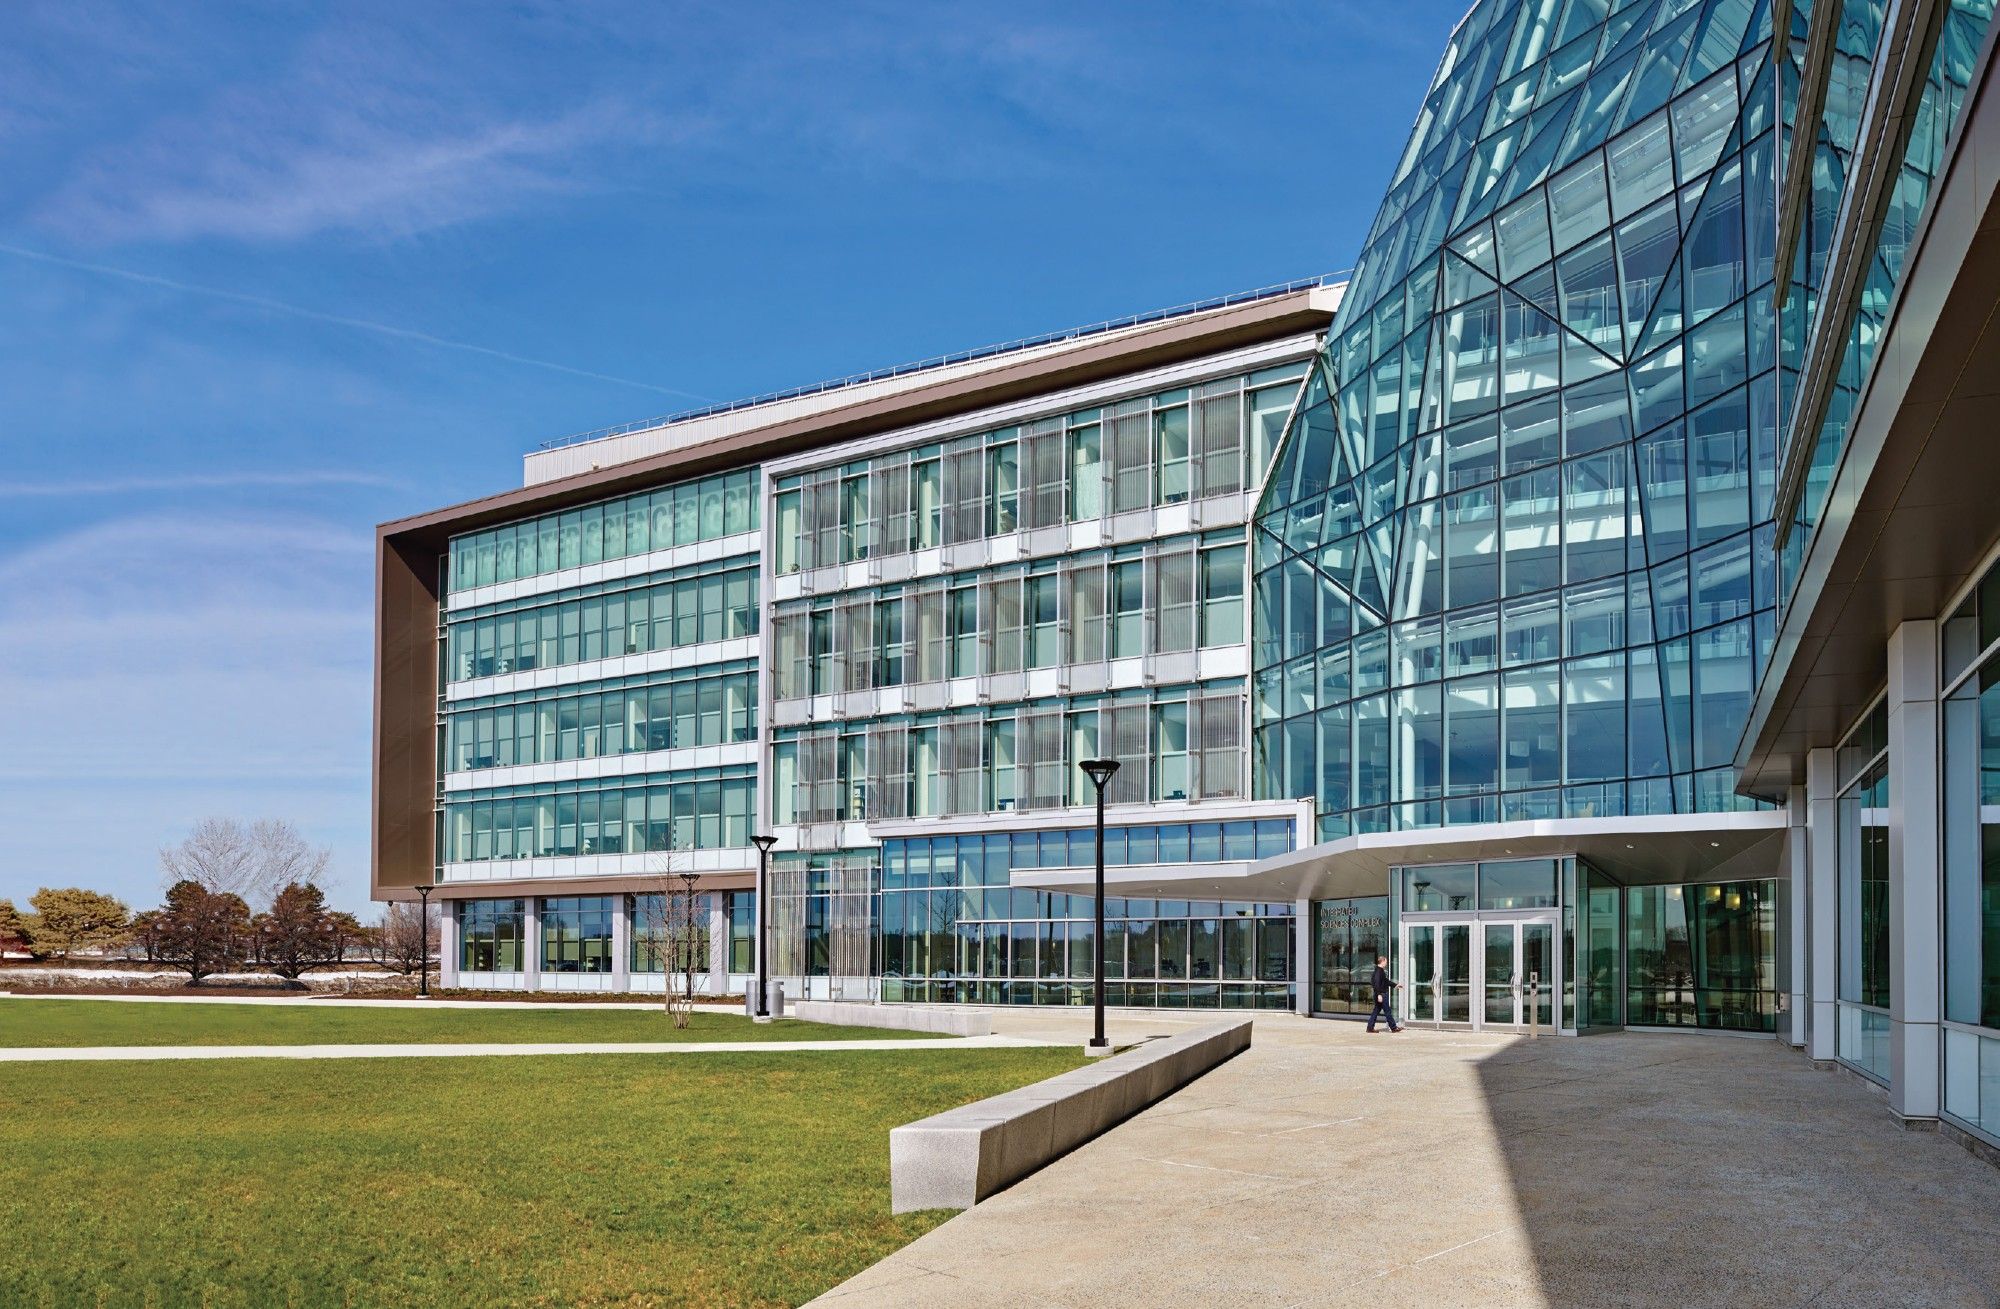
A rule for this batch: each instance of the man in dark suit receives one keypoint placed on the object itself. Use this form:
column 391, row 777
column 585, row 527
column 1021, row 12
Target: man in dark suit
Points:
column 1381, row 985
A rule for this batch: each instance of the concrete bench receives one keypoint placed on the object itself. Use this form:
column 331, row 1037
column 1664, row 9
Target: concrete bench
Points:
column 955, row 1159
column 908, row 1018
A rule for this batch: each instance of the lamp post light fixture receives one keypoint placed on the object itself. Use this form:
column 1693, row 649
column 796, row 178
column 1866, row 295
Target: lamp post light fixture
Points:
column 1099, row 771
column 424, row 941
column 763, row 842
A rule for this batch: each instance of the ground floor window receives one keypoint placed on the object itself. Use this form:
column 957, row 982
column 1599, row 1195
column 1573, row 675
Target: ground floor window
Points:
column 742, row 931
column 490, row 935
column 576, row 934
column 1702, row 956
column 1348, row 935
column 669, row 932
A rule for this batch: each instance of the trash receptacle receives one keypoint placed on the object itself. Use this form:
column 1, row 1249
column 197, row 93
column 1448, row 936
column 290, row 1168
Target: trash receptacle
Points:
column 774, row 989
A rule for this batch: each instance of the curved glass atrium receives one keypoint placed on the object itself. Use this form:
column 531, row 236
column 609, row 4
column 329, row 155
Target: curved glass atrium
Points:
column 1515, row 559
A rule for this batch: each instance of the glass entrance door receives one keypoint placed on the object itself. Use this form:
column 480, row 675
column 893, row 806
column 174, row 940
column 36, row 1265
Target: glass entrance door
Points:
column 1497, row 973
column 1502, row 977
column 1456, row 963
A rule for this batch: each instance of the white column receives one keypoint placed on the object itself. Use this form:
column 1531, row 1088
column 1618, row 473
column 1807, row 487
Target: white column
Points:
column 447, row 944
column 1794, row 955
column 621, row 942
column 1303, row 959
column 718, row 943
column 531, row 948
column 1823, row 904
column 1916, row 872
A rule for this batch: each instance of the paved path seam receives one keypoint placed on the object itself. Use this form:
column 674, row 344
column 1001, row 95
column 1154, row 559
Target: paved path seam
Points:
column 341, row 1000
column 446, row 1050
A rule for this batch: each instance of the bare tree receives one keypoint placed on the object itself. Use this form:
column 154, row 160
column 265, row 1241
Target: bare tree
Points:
column 406, row 936
column 672, row 932
column 251, row 860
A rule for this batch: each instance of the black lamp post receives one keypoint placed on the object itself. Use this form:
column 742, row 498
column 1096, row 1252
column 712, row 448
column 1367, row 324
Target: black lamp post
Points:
column 1099, row 771
column 763, row 844
column 424, row 942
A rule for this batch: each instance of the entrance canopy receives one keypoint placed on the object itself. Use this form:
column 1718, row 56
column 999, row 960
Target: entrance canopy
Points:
column 1664, row 848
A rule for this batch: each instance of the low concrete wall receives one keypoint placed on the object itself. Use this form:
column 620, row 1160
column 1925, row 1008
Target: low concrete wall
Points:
column 908, row 1018
column 955, row 1159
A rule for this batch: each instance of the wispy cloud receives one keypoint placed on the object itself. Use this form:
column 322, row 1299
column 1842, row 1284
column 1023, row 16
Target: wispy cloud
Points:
column 267, row 183
column 270, row 305
column 163, row 666
column 190, row 482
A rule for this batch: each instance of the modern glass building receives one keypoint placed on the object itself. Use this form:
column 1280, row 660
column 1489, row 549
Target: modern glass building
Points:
column 1588, row 602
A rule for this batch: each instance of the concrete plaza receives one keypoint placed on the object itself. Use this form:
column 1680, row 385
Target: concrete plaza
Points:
column 1330, row 1167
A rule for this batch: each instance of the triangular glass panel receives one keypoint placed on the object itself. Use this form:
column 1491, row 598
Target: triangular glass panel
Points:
column 1463, row 283
column 1667, row 320
column 1570, row 64
column 1599, row 107
column 1758, row 30
column 1717, row 39
column 1588, row 282
column 1478, row 248
column 1659, row 69
column 1636, row 516
column 1540, row 153
column 1490, row 162
column 1663, row 490
column 1336, row 559
column 1427, row 467
column 1703, row 120
column 1343, row 512
column 1624, row 30
column 1582, row 16
column 1647, row 244
column 1379, row 490
column 1367, row 588
column 1712, row 256
column 1531, row 350
column 1539, row 289
column 1756, row 101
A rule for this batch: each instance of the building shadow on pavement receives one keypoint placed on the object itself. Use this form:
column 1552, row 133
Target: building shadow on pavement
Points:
column 1701, row 1169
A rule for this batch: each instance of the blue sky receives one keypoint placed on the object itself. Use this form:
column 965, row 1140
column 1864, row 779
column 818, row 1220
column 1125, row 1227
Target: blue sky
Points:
column 274, row 275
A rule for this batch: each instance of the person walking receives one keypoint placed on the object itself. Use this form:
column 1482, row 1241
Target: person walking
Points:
column 1382, row 986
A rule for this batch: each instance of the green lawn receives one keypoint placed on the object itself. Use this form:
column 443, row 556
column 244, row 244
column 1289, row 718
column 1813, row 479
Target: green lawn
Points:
column 37, row 1022
column 546, row 1180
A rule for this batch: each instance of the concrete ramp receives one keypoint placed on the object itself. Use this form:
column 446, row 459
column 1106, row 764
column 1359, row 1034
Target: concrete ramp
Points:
column 955, row 1159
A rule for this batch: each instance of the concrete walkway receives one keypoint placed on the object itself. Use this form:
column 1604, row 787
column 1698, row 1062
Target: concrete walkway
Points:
column 442, row 1050
column 340, row 1000
column 1329, row 1167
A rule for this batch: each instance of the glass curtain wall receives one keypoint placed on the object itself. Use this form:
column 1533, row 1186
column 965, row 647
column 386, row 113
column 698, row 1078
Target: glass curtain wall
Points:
column 1603, row 959
column 1211, row 440
column 1515, row 557
column 615, row 815
column 1971, row 783
column 1702, row 956
column 661, row 939
column 576, row 934
column 955, row 930
column 604, row 621
column 742, row 931
column 490, row 935
column 723, row 505
column 1348, row 936
column 662, row 711
column 1864, row 912
column 1818, row 423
